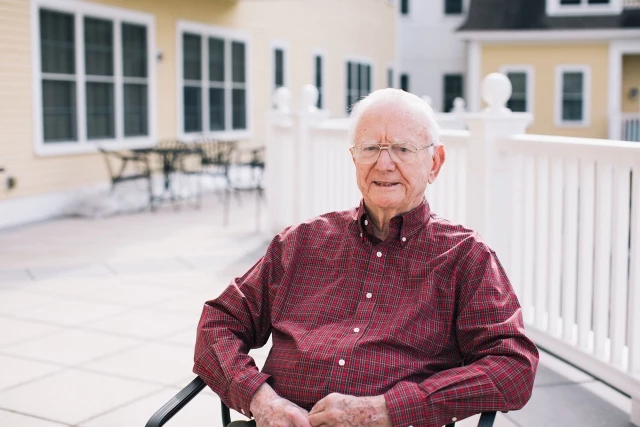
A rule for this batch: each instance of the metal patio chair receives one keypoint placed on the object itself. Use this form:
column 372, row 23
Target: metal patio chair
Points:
column 185, row 395
column 132, row 167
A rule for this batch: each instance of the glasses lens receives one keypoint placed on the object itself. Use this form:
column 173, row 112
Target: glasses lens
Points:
column 405, row 153
column 368, row 153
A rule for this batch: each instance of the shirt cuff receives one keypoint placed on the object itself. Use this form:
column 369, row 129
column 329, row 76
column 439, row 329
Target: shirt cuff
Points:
column 404, row 405
column 241, row 390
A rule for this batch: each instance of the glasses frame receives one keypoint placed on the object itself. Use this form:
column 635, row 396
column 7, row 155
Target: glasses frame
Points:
column 388, row 148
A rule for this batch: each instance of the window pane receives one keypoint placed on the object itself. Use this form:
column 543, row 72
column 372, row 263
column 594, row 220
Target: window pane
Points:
column 238, row 62
column 239, row 109
column 192, row 57
column 135, row 110
column 59, row 110
column 57, row 42
column 390, row 77
column 216, row 60
column 318, row 79
column 279, row 67
column 192, row 109
column 572, row 110
column 404, row 7
column 349, row 77
column 404, row 82
column 452, row 90
column 572, row 83
column 518, row 100
column 216, row 109
column 365, row 80
column 98, row 47
column 134, row 50
column 570, row 1
column 453, row 7
column 599, row 1
column 100, row 110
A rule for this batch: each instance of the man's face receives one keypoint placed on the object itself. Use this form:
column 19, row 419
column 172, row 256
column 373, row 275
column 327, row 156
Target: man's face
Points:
column 386, row 185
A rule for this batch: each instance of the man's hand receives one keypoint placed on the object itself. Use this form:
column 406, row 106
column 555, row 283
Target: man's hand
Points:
column 341, row 410
column 271, row 410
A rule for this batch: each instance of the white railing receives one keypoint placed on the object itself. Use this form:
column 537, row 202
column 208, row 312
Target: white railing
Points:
column 562, row 213
column 630, row 127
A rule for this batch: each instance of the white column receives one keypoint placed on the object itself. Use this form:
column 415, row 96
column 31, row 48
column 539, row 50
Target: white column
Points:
column 488, row 203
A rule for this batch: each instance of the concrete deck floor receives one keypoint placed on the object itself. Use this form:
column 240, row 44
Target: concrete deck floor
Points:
column 98, row 318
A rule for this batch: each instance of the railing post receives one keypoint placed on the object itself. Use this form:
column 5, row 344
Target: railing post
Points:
column 279, row 160
column 488, row 201
column 305, row 121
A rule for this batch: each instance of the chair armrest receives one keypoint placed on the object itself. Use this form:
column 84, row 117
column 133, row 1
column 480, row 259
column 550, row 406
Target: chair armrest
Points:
column 487, row 419
column 176, row 403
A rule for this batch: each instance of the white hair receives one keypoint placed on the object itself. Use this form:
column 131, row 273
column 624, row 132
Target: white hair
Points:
column 423, row 111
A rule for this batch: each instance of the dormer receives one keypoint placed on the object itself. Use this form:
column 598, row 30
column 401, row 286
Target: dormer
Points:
column 584, row 7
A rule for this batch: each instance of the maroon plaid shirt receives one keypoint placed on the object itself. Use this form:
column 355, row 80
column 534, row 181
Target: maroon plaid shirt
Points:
column 427, row 318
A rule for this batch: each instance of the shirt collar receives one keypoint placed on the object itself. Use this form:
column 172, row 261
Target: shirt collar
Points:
column 409, row 222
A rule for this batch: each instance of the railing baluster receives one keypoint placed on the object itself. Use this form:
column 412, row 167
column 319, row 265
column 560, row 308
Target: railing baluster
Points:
column 451, row 186
column 517, row 225
column 570, row 249
column 461, row 189
column 555, row 241
column 620, row 258
column 602, row 267
column 528, row 243
column 634, row 277
column 542, row 241
column 585, row 254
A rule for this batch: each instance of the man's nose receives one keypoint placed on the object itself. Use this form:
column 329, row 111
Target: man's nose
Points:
column 385, row 161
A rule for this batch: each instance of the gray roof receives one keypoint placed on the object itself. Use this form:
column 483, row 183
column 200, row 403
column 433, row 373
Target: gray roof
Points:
column 496, row 15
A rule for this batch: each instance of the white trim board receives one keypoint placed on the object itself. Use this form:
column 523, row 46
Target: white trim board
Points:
column 586, row 96
column 529, row 71
column 80, row 9
column 549, row 36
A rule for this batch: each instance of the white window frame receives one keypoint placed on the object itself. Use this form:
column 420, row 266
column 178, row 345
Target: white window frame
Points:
column 554, row 8
column 228, row 35
column 363, row 61
column 529, row 71
column 586, row 99
column 323, row 70
column 81, row 9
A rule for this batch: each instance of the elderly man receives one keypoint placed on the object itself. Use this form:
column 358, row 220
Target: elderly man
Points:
column 381, row 315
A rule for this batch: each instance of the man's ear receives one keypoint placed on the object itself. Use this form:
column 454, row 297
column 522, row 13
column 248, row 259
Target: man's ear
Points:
column 439, row 157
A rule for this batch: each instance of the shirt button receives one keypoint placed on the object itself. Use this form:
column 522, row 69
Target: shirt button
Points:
column 366, row 222
column 454, row 419
column 356, row 330
column 404, row 239
column 341, row 362
column 369, row 294
column 242, row 410
column 360, row 234
column 379, row 254
column 410, row 426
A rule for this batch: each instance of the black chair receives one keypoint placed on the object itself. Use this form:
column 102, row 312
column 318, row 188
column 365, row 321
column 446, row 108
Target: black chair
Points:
column 185, row 395
column 246, row 175
column 132, row 167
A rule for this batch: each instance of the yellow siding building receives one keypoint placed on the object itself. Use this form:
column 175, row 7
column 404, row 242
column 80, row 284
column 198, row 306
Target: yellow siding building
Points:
column 574, row 64
column 127, row 73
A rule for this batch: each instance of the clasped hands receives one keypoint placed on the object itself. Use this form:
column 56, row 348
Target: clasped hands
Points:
column 334, row 410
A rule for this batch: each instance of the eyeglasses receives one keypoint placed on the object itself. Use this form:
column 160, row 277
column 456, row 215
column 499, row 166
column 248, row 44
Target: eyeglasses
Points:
column 402, row 152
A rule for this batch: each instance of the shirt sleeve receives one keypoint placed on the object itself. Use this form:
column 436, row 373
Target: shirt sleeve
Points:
column 500, row 362
column 232, row 324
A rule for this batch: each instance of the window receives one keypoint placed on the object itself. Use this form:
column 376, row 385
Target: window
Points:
column 318, row 79
column 572, row 95
column 278, row 67
column 580, row 2
column 390, row 77
column 404, row 82
column 453, row 7
column 521, row 77
column 358, row 82
column 213, row 75
column 93, row 79
column 452, row 89
column 404, row 7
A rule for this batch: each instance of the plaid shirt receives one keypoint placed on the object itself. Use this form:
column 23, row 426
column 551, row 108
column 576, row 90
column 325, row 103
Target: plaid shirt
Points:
column 427, row 318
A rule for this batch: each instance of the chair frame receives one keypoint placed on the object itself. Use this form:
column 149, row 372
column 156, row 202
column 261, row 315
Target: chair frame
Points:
column 128, row 158
column 185, row 396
